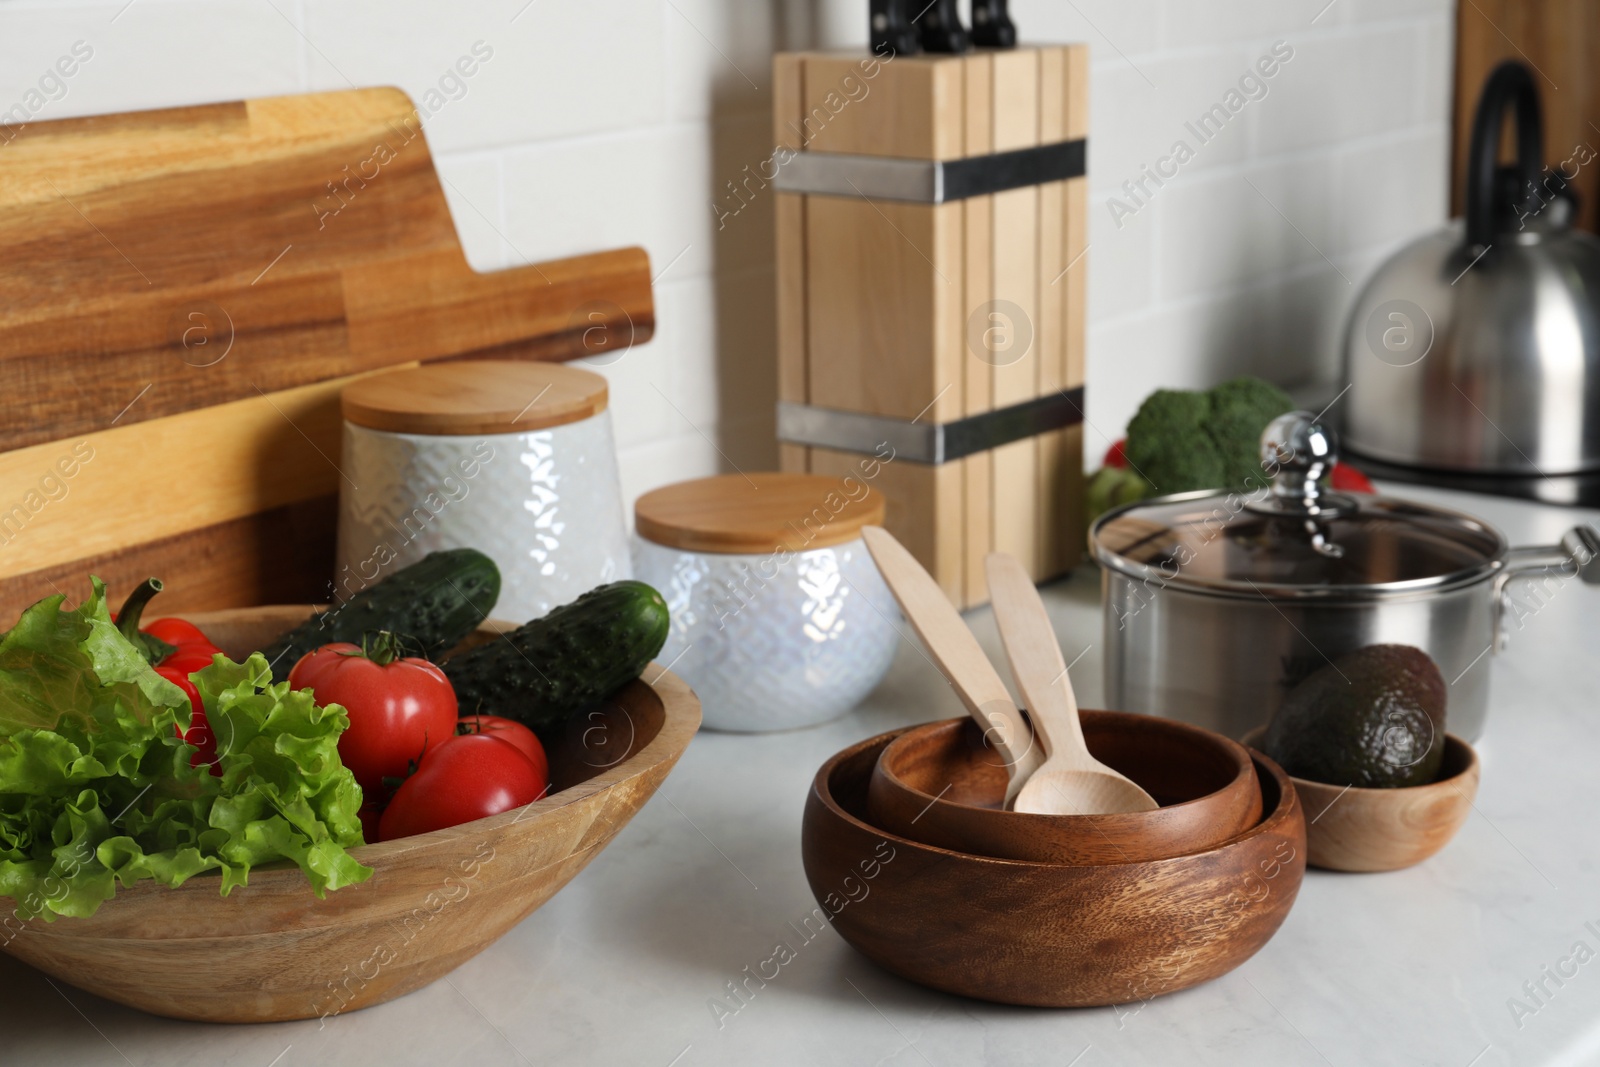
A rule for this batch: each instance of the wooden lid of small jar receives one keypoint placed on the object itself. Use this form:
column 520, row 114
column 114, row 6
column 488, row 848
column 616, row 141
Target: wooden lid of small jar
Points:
column 757, row 513
column 474, row 397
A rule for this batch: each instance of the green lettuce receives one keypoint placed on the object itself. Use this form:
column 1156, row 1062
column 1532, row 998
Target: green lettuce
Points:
column 96, row 789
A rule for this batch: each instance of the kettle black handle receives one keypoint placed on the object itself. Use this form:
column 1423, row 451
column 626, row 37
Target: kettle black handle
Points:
column 1510, row 84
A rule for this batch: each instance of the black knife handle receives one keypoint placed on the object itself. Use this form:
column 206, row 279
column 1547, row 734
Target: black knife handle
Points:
column 941, row 29
column 991, row 24
column 892, row 32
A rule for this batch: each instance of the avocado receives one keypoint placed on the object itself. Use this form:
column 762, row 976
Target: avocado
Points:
column 1373, row 718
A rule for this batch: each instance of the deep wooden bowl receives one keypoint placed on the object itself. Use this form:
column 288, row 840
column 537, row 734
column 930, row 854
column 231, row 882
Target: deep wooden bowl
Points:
column 941, row 785
column 1387, row 829
column 1044, row 934
column 272, row 951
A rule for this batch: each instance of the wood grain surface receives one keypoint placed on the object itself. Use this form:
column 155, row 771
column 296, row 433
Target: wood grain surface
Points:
column 271, row 951
column 941, row 785
column 758, row 512
column 184, row 292
column 1559, row 39
column 474, row 397
column 879, row 301
column 1387, row 829
column 1043, row 934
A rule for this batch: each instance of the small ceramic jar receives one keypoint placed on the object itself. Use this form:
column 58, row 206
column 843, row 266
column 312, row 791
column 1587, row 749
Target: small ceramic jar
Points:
column 779, row 616
column 515, row 459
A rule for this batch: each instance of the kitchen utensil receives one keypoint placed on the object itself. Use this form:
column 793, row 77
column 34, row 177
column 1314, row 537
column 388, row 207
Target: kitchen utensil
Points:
column 939, row 28
column 1069, row 781
column 271, row 951
column 1386, row 829
column 1217, row 603
column 866, row 331
column 991, row 24
column 779, row 618
column 1477, row 348
column 959, row 657
column 940, row 784
column 514, row 458
column 892, row 32
column 1040, row 933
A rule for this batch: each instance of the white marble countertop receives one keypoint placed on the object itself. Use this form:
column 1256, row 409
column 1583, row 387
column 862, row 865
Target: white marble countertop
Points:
column 1421, row 966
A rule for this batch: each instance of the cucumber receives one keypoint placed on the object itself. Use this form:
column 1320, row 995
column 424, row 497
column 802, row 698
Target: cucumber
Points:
column 552, row 668
column 430, row 605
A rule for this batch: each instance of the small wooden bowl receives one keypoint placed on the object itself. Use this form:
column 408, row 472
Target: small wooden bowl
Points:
column 941, row 785
column 272, row 951
column 1387, row 829
column 1044, row 934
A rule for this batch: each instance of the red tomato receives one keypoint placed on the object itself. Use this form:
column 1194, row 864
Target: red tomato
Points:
column 1347, row 479
column 370, row 813
column 199, row 732
column 1116, row 455
column 510, row 730
column 469, row 777
column 176, row 632
column 398, row 709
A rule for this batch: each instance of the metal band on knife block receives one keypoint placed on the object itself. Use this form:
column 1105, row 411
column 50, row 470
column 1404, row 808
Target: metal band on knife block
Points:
column 930, row 443
column 922, row 181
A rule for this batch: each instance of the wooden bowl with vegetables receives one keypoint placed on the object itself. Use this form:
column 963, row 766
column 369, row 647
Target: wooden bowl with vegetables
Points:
column 381, row 919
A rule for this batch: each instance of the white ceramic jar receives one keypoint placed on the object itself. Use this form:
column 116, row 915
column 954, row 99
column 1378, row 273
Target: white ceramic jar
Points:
column 515, row 459
column 779, row 616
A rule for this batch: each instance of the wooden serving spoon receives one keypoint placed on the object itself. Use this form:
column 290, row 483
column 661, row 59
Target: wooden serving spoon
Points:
column 1070, row 782
column 958, row 655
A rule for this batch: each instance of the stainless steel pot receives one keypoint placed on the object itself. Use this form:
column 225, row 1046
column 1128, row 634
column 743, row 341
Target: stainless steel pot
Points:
column 1217, row 603
column 1477, row 348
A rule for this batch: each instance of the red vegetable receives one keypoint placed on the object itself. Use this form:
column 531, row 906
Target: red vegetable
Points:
column 509, row 730
column 1116, row 455
column 469, row 777
column 398, row 707
column 1347, row 479
column 176, row 649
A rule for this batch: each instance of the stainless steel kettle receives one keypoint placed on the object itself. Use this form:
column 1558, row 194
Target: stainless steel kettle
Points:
column 1477, row 348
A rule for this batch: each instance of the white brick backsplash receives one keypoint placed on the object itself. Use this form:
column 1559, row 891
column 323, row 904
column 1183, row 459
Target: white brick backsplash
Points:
column 619, row 122
column 1343, row 86
column 1148, row 121
column 651, row 186
column 719, row 57
column 1117, row 30
column 1377, row 199
column 1195, row 25
column 472, row 185
column 150, row 55
column 1121, row 261
column 559, row 69
column 1219, row 231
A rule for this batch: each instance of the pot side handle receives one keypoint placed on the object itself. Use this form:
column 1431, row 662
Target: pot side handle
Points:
column 1577, row 556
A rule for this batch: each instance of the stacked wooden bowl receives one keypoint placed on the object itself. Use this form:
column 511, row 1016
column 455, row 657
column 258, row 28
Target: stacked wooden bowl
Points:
column 1054, row 910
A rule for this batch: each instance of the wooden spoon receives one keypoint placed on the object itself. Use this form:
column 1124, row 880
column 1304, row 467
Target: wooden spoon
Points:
column 958, row 655
column 1070, row 781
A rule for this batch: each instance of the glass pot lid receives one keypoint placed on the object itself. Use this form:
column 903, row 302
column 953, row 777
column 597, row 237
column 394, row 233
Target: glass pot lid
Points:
column 1286, row 536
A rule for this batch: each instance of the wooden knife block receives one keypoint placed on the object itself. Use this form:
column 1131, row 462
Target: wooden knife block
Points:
column 884, row 305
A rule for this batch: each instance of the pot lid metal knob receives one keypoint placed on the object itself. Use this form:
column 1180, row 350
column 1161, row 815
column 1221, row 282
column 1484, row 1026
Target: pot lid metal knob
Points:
column 1297, row 453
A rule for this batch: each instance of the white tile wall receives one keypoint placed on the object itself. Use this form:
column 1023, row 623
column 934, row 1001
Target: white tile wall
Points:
column 613, row 122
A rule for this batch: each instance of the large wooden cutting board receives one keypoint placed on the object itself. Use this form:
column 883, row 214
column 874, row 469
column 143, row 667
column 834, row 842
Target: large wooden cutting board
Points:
column 183, row 293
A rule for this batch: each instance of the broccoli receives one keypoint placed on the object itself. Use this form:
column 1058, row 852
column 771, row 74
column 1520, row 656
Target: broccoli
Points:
column 1168, row 444
column 1182, row 440
column 1240, row 410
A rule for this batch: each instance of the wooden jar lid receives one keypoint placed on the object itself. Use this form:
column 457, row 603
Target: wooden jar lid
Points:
column 473, row 397
column 758, row 513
